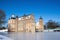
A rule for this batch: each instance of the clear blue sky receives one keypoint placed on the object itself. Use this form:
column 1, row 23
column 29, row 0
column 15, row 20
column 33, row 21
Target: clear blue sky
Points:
column 48, row 9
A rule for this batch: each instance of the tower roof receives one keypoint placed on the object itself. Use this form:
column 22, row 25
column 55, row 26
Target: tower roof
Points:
column 40, row 17
column 16, row 16
column 13, row 16
column 24, row 15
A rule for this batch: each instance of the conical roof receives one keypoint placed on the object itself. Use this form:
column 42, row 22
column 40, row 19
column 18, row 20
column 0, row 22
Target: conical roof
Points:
column 40, row 17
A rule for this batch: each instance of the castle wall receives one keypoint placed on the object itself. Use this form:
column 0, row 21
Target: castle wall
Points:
column 12, row 25
column 41, row 26
column 24, row 24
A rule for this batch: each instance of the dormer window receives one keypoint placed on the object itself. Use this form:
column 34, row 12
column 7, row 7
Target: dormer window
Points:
column 26, row 17
column 22, row 18
column 29, row 16
column 19, row 18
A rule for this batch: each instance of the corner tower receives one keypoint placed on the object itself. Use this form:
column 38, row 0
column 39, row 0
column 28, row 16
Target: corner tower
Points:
column 12, row 24
column 41, row 25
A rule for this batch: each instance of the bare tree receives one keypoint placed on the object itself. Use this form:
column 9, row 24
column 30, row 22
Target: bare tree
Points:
column 2, row 18
column 51, row 24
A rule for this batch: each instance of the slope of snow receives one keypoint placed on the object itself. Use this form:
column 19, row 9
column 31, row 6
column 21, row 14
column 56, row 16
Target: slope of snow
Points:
column 4, row 38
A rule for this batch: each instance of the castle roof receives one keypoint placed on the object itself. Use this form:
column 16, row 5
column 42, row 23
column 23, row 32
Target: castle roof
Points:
column 14, row 17
column 40, row 17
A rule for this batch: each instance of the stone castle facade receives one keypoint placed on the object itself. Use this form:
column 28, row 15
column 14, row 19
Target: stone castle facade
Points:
column 25, row 23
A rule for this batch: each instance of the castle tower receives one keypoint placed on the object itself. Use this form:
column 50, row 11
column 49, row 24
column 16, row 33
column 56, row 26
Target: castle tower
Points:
column 12, row 24
column 30, row 23
column 41, row 26
column 24, row 22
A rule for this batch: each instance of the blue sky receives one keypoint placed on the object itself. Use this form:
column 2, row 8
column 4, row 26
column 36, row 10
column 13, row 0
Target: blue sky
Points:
column 48, row 9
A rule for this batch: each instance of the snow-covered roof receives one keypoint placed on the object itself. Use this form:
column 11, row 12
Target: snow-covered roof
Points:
column 13, row 15
column 29, row 16
column 26, row 17
column 19, row 18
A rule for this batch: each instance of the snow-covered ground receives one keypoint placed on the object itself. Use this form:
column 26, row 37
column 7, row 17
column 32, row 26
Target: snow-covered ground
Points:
column 4, row 38
column 5, row 30
column 48, row 30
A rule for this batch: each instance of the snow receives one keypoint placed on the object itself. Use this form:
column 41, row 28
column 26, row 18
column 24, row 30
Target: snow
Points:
column 13, row 15
column 19, row 18
column 48, row 30
column 5, row 30
column 37, row 24
column 26, row 17
column 29, row 16
column 4, row 38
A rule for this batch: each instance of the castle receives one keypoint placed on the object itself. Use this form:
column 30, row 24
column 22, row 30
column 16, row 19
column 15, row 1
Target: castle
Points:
column 25, row 23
